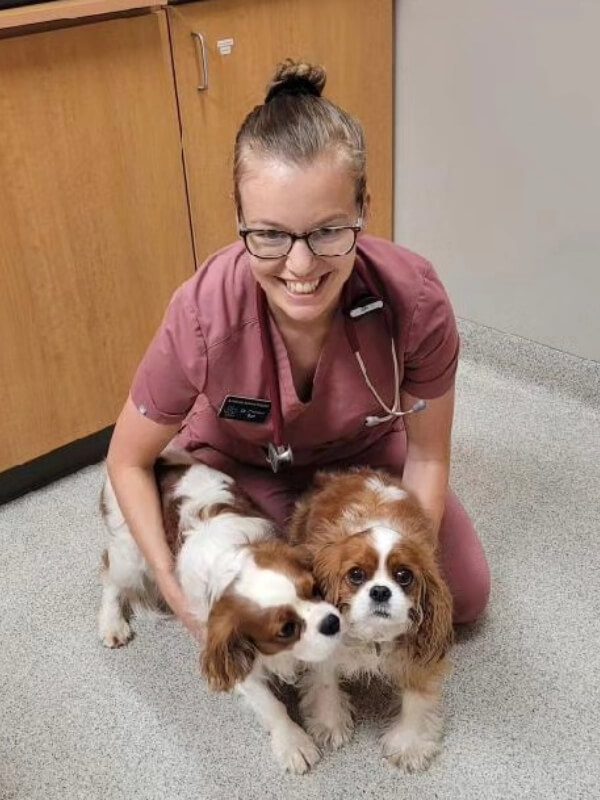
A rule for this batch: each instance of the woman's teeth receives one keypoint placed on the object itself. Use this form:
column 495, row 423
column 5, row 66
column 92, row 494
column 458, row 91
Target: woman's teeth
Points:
column 298, row 287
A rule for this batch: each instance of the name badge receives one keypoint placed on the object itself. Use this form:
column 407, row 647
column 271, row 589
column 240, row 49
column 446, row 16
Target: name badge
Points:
column 245, row 409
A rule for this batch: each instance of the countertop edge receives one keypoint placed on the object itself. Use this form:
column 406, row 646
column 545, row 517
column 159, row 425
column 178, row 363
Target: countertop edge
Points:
column 70, row 10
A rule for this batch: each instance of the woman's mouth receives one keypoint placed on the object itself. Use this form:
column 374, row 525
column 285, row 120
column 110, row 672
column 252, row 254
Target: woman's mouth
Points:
column 303, row 287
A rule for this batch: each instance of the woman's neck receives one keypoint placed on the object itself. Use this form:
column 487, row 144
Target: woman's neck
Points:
column 316, row 330
column 304, row 344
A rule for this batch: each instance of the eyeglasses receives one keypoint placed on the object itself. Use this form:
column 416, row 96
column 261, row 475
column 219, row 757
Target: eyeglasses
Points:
column 337, row 240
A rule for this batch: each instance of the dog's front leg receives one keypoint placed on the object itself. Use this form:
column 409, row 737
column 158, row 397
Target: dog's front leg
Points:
column 326, row 709
column 413, row 737
column 293, row 748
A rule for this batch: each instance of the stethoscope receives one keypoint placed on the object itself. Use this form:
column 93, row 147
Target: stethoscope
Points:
column 280, row 454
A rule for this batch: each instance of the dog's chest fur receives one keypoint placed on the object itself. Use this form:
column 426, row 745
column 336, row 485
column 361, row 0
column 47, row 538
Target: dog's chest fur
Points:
column 282, row 666
column 356, row 657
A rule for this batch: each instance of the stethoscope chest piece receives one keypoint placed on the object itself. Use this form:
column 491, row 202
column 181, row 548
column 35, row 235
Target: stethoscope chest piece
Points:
column 279, row 455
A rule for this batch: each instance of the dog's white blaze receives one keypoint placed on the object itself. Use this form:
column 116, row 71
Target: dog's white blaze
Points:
column 212, row 556
column 265, row 587
column 385, row 491
column 384, row 539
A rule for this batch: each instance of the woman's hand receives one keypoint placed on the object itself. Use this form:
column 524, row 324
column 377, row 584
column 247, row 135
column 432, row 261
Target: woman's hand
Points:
column 177, row 602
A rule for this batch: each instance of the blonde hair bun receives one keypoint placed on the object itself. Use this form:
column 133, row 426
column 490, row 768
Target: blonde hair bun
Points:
column 296, row 78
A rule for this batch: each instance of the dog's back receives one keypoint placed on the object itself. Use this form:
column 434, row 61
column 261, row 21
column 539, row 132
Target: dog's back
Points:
column 206, row 521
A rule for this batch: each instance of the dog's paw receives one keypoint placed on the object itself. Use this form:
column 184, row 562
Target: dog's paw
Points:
column 117, row 634
column 330, row 723
column 294, row 750
column 408, row 750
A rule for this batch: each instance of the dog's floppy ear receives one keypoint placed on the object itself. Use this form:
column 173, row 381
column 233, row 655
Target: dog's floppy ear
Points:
column 434, row 633
column 297, row 531
column 305, row 555
column 228, row 656
column 326, row 569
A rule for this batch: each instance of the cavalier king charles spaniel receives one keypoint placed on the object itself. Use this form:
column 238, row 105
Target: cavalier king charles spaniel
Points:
column 374, row 559
column 256, row 594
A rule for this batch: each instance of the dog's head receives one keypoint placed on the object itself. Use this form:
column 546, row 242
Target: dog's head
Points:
column 272, row 607
column 374, row 559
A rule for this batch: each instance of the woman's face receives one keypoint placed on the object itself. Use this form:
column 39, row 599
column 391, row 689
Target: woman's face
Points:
column 301, row 288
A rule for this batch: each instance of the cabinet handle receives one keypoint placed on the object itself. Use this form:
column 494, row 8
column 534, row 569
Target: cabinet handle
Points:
column 201, row 54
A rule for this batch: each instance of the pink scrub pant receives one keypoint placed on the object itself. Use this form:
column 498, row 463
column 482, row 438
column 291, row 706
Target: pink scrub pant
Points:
column 462, row 559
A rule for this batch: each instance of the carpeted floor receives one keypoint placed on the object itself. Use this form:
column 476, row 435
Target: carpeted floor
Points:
column 523, row 703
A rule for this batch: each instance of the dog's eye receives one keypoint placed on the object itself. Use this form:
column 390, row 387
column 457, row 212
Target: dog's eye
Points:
column 316, row 592
column 356, row 576
column 288, row 630
column 404, row 577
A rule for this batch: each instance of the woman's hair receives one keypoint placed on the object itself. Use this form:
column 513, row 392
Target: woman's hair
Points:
column 295, row 124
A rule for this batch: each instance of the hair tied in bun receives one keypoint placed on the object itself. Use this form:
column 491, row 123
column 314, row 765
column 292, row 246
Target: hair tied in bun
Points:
column 296, row 78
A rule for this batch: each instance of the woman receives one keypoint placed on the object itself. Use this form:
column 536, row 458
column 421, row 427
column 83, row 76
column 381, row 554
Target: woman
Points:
column 257, row 351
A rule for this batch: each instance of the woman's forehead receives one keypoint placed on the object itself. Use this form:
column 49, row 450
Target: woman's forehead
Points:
column 284, row 195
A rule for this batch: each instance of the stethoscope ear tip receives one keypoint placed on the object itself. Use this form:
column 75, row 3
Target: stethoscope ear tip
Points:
column 371, row 422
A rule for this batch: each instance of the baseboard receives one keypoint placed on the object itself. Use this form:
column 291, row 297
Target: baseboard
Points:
column 65, row 460
column 539, row 364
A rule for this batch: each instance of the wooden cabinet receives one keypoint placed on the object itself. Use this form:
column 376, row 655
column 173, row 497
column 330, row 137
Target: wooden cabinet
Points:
column 243, row 41
column 94, row 226
column 113, row 164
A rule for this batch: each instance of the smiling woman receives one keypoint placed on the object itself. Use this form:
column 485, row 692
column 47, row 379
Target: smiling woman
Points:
column 284, row 348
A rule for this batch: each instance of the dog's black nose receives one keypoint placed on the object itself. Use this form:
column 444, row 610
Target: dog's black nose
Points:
column 330, row 625
column 381, row 594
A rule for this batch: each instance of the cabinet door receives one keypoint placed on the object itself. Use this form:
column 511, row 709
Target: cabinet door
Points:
column 94, row 225
column 352, row 39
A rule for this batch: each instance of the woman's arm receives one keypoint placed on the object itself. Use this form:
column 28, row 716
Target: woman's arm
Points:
column 135, row 445
column 427, row 466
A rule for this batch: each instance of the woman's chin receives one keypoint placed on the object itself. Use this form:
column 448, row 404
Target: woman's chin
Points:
column 304, row 308
column 306, row 314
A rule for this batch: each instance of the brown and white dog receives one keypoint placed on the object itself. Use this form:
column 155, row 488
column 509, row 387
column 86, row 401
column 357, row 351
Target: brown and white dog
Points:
column 374, row 559
column 255, row 593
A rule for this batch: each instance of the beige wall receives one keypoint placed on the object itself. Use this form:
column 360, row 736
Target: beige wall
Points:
column 497, row 176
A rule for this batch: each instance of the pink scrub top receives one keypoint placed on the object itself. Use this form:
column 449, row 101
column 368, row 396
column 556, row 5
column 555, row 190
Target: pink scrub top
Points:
column 209, row 347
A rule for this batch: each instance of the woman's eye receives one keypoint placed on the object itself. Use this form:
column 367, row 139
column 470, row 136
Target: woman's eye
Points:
column 288, row 630
column 270, row 237
column 404, row 577
column 356, row 576
column 326, row 234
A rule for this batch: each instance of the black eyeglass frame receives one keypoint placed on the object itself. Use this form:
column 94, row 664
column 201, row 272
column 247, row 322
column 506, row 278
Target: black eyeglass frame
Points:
column 356, row 228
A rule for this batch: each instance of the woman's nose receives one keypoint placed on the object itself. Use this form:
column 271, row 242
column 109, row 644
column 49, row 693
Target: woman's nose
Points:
column 300, row 259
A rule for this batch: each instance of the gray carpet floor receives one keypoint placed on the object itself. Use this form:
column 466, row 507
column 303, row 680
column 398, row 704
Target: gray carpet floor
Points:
column 79, row 721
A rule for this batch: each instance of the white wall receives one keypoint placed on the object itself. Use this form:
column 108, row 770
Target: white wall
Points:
column 497, row 176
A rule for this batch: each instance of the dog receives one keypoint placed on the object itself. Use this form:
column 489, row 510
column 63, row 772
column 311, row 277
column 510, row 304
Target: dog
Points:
column 255, row 593
column 374, row 559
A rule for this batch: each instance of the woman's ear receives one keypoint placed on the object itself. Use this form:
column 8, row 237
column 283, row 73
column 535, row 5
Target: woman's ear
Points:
column 434, row 633
column 228, row 656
